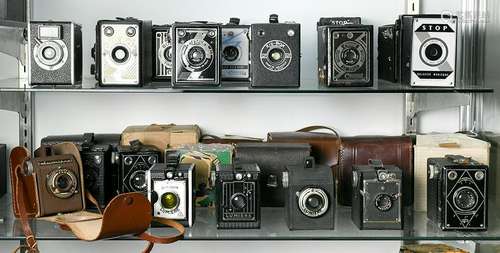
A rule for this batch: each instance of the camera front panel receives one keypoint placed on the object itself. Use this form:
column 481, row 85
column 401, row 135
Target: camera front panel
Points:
column 382, row 204
column 163, row 53
column 236, row 53
column 172, row 199
column 97, row 175
column 197, row 56
column 238, row 201
column 133, row 171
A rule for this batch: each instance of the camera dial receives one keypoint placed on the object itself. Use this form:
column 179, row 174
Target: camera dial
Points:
column 465, row 199
column 276, row 55
column 313, row 202
column 383, row 202
column 197, row 55
column 170, row 201
column 238, row 201
column 62, row 183
column 351, row 56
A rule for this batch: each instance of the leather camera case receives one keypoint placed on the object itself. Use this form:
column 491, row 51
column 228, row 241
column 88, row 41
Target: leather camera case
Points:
column 396, row 150
column 272, row 159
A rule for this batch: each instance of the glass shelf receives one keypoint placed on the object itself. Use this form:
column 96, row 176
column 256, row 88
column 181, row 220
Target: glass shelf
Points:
column 307, row 87
column 273, row 227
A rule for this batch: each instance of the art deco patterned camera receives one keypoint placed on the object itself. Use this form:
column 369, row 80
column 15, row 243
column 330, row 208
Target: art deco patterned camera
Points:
column 162, row 39
column 123, row 52
column 171, row 189
column 457, row 193
column 275, row 54
column 56, row 53
column 238, row 196
column 235, row 51
column 309, row 196
column 377, row 196
column 197, row 59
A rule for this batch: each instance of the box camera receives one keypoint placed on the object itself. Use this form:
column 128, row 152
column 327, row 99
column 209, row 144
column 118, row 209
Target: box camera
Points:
column 99, row 173
column 238, row 196
column 457, row 193
column 55, row 53
column 310, row 196
column 123, row 52
column 133, row 163
column 235, row 51
column 196, row 54
column 171, row 189
column 389, row 59
column 377, row 196
column 345, row 54
column 162, row 47
column 275, row 54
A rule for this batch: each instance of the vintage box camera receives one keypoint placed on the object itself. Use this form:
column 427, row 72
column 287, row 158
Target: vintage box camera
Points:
column 3, row 169
column 235, row 51
column 99, row 173
column 238, row 196
column 171, row 189
column 310, row 196
column 345, row 54
column 377, row 196
column 275, row 54
column 197, row 57
column 133, row 163
column 389, row 59
column 55, row 53
column 162, row 46
column 457, row 193
column 123, row 52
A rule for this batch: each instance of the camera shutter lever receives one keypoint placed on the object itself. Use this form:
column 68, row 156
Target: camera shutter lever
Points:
column 273, row 19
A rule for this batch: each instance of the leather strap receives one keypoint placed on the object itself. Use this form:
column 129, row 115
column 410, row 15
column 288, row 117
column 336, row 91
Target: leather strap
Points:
column 314, row 128
column 163, row 240
column 92, row 200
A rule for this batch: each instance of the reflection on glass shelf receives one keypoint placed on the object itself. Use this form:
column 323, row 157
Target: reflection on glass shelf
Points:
column 307, row 86
column 416, row 228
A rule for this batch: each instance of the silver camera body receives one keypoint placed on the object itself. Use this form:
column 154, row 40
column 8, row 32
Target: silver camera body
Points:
column 235, row 51
column 163, row 52
column 55, row 53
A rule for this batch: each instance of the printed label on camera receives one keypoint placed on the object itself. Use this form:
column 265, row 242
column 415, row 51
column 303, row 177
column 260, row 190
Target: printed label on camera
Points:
column 433, row 74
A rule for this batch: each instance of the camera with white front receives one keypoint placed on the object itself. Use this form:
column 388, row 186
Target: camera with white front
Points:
column 235, row 51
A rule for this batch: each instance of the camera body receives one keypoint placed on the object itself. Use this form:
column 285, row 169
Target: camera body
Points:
column 55, row 53
column 457, row 193
column 345, row 54
column 196, row 53
column 389, row 59
column 171, row 190
column 275, row 54
column 58, row 181
column 162, row 46
column 123, row 52
column 309, row 196
column 377, row 196
column 133, row 163
column 235, row 51
column 238, row 196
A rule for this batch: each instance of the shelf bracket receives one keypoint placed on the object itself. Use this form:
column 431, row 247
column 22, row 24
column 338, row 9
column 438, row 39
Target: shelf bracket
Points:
column 23, row 104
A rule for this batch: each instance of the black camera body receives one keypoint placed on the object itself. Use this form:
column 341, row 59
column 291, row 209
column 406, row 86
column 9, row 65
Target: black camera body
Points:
column 238, row 196
column 123, row 52
column 196, row 54
column 235, row 51
column 3, row 169
column 56, row 53
column 389, row 59
column 99, row 173
column 162, row 53
column 345, row 53
column 133, row 163
column 171, row 190
column 457, row 193
column 377, row 197
column 275, row 54
column 309, row 196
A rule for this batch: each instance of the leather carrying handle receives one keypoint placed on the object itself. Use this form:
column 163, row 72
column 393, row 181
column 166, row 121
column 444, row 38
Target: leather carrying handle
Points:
column 314, row 128
column 163, row 240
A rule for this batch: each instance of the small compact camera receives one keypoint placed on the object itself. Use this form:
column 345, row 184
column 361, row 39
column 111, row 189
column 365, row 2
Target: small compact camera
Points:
column 59, row 181
column 133, row 163
column 171, row 189
column 310, row 196
column 235, row 51
column 377, row 196
column 196, row 51
column 123, row 52
column 275, row 54
column 162, row 39
column 55, row 53
column 457, row 193
column 345, row 53
column 238, row 196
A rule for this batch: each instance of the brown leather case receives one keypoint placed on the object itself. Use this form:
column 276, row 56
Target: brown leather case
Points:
column 397, row 150
column 324, row 146
column 17, row 158
column 227, row 139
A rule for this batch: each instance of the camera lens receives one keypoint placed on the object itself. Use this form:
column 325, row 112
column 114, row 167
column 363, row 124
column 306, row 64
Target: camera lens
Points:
column 433, row 52
column 168, row 53
column 138, row 181
column 465, row 199
column 49, row 53
column 196, row 55
column 120, row 54
column 276, row 55
column 350, row 56
column 239, row 201
column 169, row 200
column 62, row 183
column 231, row 53
column 383, row 202
column 313, row 202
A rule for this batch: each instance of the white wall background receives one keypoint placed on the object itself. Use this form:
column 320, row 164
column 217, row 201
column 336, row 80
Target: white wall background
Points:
column 243, row 114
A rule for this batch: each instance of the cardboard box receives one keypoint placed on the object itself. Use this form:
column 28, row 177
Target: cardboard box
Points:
column 224, row 152
column 435, row 146
column 162, row 136
column 205, row 163
column 430, row 248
